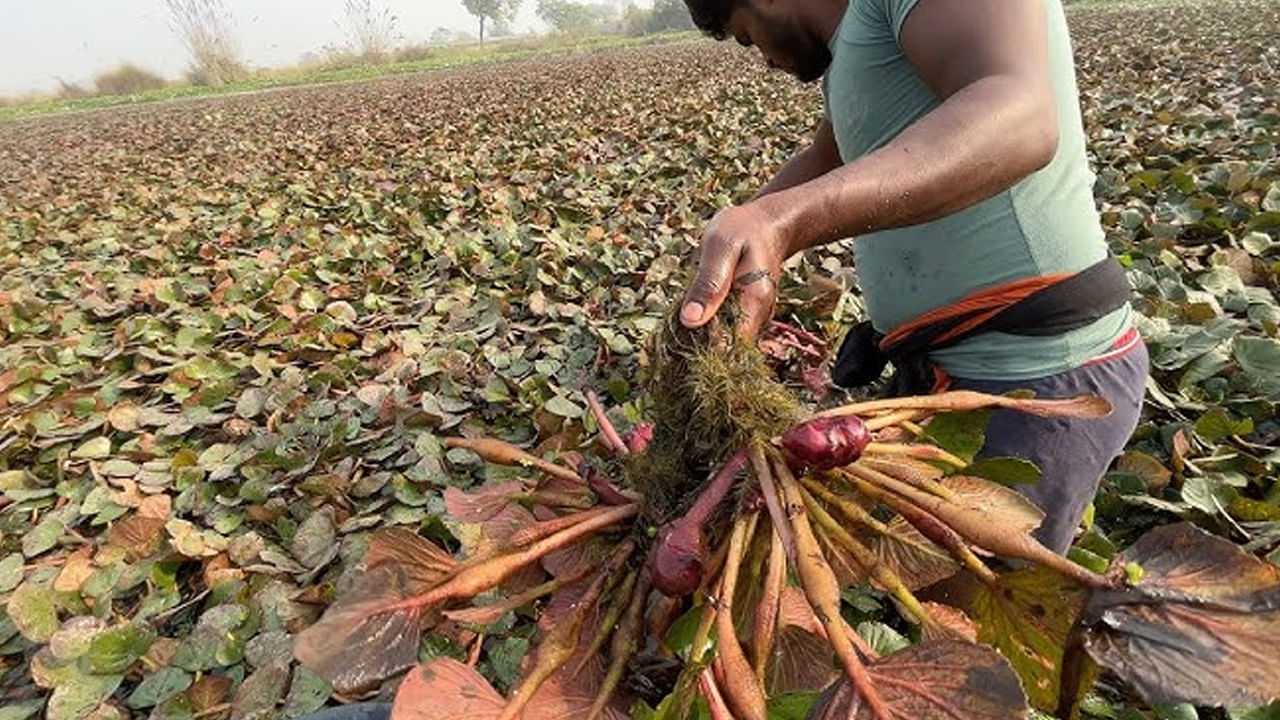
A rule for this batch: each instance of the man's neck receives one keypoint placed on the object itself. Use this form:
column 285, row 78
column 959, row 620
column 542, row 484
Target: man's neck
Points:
column 826, row 16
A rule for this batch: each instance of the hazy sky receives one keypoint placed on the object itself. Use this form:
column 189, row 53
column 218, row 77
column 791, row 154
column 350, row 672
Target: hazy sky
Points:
column 42, row 40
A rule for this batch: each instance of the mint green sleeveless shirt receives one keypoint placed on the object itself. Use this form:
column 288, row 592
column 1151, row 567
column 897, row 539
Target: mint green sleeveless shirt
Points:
column 1047, row 223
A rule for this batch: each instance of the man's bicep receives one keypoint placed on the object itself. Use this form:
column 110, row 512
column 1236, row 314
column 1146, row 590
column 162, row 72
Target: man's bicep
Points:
column 824, row 143
column 954, row 43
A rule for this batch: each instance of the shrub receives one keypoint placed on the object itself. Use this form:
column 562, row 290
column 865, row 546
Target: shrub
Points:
column 205, row 27
column 127, row 79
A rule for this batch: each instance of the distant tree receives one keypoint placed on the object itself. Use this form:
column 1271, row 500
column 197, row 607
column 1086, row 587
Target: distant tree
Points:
column 669, row 15
column 441, row 36
column 205, row 28
column 491, row 10
column 372, row 28
column 569, row 16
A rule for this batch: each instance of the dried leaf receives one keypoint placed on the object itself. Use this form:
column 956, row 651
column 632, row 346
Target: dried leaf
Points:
column 936, row 680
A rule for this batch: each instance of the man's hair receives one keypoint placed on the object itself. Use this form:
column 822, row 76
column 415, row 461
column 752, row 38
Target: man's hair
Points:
column 711, row 16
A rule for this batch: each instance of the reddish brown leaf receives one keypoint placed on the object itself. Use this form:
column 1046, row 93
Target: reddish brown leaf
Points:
column 75, row 571
column 1201, row 625
column 138, row 535
column 573, row 560
column 422, row 562
column 445, row 689
column 364, row 637
column 911, row 555
column 1007, row 508
column 209, row 691
column 952, row 624
column 482, row 503
column 938, row 680
column 801, row 660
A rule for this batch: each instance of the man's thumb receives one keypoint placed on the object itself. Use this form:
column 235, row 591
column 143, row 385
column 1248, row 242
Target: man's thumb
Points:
column 704, row 297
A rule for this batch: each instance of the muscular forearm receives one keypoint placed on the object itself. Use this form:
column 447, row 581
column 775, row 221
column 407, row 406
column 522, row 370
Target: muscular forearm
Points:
column 982, row 140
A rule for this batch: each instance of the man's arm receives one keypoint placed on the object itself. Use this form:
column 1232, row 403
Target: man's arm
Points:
column 988, row 60
column 820, row 157
column 997, row 123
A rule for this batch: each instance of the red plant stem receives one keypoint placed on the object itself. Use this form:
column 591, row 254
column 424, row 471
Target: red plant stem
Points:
column 488, row 573
column 624, row 643
column 545, row 528
column 608, row 493
column 892, row 418
column 486, row 614
column 781, row 524
column 617, row 604
column 797, row 331
column 919, row 452
column 710, row 498
column 715, row 701
column 930, row 527
column 766, row 621
column 823, row 591
column 967, row 524
column 1085, row 406
column 562, row 640
column 866, row 559
column 606, row 427
column 504, row 453
column 803, row 348
column 741, row 688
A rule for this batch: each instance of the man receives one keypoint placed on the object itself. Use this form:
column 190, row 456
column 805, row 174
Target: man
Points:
column 952, row 151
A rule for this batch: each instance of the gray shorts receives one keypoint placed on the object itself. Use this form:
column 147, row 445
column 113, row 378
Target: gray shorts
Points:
column 1072, row 455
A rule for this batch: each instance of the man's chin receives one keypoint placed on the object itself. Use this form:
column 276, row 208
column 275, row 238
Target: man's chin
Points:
column 808, row 75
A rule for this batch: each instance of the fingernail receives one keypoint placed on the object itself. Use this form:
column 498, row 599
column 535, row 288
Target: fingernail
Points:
column 691, row 313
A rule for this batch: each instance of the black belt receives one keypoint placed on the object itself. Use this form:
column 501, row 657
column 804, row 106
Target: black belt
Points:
column 1066, row 305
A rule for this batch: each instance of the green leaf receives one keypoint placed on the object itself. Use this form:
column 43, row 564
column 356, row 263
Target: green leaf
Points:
column 117, row 649
column 960, row 433
column 315, row 539
column 680, row 636
column 1208, row 493
column 791, row 706
column 563, row 407
column 1177, row 712
column 251, row 402
column 1259, row 358
column 504, row 660
column 76, row 698
column 43, row 536
column 307, row 693
column 260, row 692
column 882, row 638
column 95, row 449
column 1005, row 470
column 22, row 709
column 158, row 687
column 11, row 569
column 33, row 612
column 1027, row 617
column 1216, row 426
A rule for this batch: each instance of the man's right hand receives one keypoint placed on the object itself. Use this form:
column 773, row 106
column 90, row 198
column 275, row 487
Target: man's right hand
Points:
column 742, row 250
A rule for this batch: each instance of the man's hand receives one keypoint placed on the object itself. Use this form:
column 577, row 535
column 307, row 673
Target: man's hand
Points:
column 742, row 250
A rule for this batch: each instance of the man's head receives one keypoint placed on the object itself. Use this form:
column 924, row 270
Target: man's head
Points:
column 791, row 34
